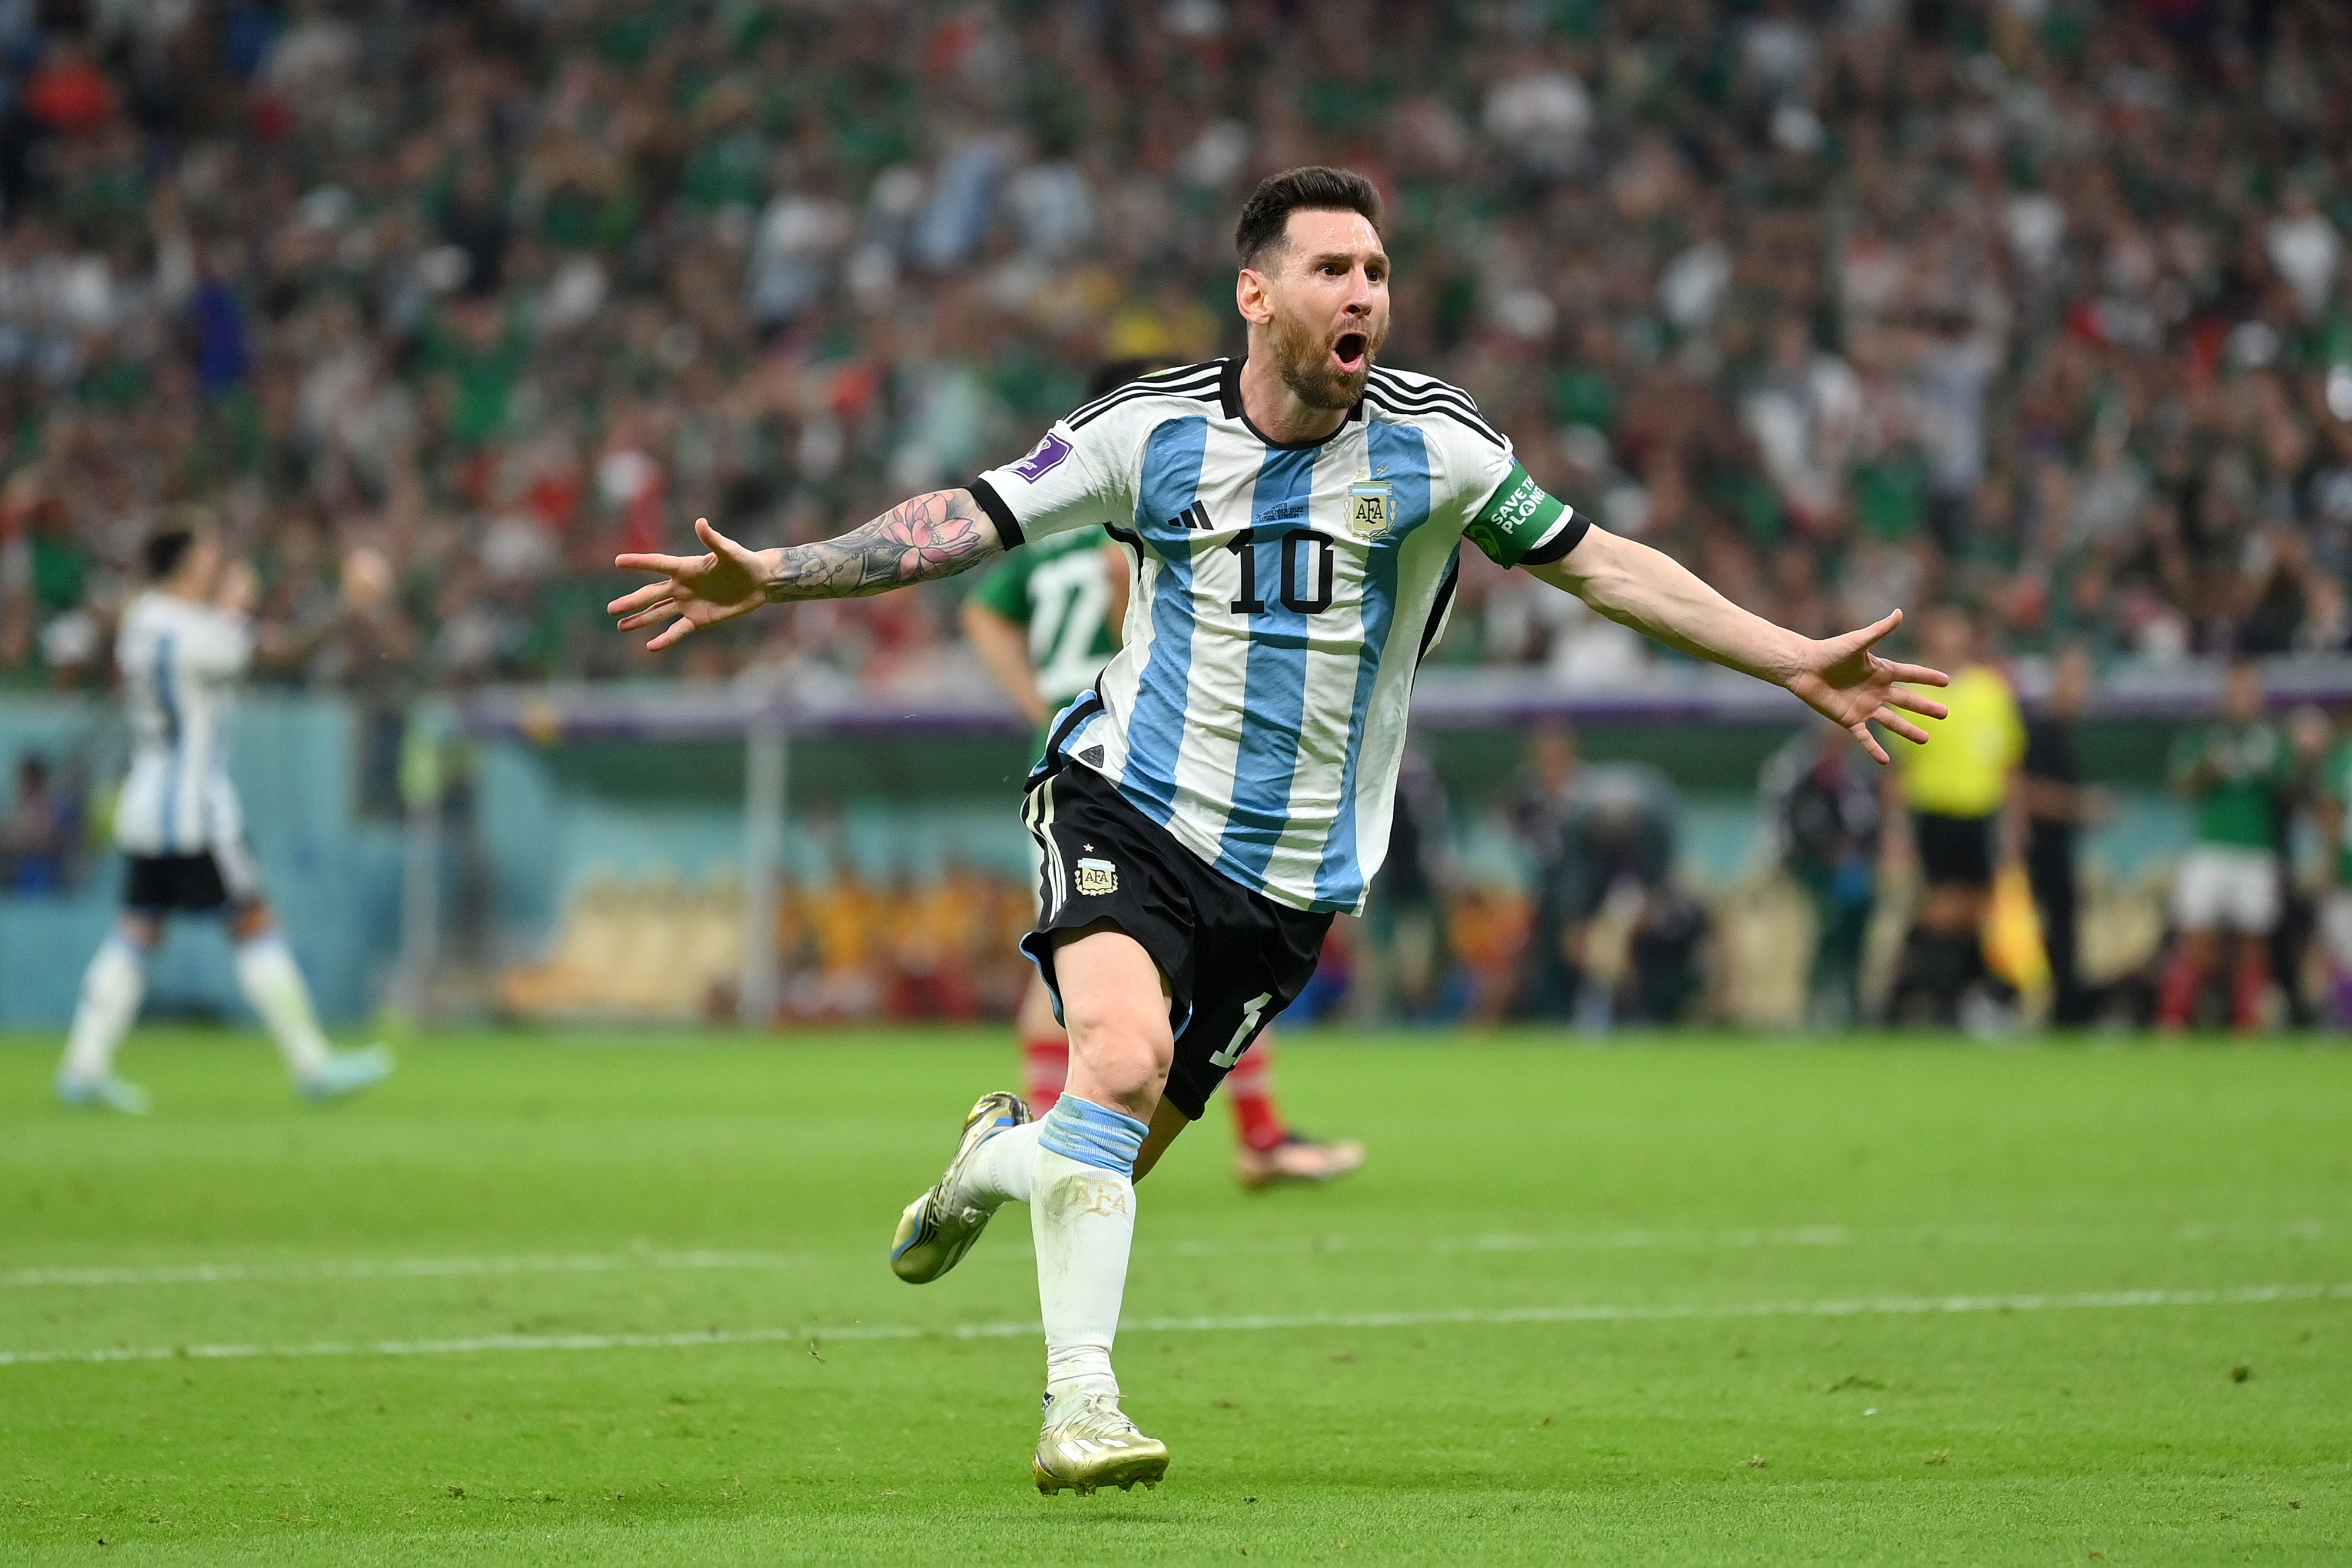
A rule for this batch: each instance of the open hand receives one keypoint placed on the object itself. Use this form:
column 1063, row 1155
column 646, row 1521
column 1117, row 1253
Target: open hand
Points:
column 697, row 590
column 1842, row 679
column 240, row 588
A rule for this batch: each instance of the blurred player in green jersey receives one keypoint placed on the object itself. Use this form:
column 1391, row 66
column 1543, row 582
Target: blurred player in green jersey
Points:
column 2335, row 877
column 2233, row 772
column 1045, row 621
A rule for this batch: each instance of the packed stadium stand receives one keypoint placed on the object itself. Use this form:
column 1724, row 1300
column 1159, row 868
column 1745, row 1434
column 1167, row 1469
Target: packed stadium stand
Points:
column 2035, row 303
column 2035, row 306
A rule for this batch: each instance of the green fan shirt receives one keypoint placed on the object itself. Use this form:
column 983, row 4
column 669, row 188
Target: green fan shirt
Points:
column 1059, row 588
column 2247, row 767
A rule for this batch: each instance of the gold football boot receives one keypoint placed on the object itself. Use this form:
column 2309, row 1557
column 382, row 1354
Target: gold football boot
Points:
column 1088, row 1443
column 938, row 1229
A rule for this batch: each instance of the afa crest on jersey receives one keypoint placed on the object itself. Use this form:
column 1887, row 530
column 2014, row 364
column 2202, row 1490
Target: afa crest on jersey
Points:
column 1368, row 508
column 1098, row 878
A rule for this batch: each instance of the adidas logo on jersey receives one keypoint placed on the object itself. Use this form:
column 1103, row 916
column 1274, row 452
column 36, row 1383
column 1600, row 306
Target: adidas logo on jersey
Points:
column 1195, row 516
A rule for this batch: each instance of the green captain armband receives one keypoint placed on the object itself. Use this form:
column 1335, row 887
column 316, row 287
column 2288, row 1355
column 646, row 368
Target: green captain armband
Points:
column 1521, row 526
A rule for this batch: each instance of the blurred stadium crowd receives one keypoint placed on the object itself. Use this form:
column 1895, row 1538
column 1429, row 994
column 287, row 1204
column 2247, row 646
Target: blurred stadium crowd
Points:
column 2035, row 303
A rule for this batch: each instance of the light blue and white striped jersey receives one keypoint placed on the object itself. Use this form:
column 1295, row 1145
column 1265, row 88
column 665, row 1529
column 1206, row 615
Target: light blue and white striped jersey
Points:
column 1285, row 593
column 181, row 664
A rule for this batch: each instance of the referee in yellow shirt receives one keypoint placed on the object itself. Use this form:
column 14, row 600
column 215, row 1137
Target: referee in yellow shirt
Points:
column 1956, row 792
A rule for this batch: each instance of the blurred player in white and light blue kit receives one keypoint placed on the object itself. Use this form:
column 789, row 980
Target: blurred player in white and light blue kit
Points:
column 184, row 646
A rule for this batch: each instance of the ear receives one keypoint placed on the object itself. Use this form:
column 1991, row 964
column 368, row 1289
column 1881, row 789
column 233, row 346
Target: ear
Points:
column 1253, row 296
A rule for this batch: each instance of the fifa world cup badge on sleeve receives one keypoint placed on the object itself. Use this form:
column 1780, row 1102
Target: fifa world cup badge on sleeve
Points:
column 1098, row 878
column 1368, row 508
column 1043, row 458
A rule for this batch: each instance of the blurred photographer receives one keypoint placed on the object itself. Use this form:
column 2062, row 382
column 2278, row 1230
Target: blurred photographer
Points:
column 2058, row 806
column 1822, row 797
column 39, row 832
column 1615, row 940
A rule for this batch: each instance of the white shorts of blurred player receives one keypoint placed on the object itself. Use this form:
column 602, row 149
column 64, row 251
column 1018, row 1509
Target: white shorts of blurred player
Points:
column 2224, row 888
column 2336, row 929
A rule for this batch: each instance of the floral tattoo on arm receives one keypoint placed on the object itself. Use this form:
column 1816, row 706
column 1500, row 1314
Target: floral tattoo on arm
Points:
column 934, row 535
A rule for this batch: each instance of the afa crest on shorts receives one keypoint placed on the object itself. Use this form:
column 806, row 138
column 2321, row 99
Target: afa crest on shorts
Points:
column 1368, row 508
column 1098, row 878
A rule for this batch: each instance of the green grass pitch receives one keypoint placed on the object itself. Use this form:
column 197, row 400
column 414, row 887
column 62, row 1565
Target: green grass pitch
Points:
column 566, row 1301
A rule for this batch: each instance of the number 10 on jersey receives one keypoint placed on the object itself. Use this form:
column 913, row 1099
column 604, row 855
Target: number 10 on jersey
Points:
column 1308, row 566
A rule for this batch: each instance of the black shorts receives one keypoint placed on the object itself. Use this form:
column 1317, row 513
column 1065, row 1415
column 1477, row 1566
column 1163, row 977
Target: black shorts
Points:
column 1954, row 851
column 186, row 885
column 1233, row 959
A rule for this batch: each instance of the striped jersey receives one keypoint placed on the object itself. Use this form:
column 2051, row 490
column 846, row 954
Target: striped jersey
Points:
column 181, row 663
column 1283, row 594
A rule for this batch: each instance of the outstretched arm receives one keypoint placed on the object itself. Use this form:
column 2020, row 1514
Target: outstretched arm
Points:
column 934, row 535
column 1840, row 678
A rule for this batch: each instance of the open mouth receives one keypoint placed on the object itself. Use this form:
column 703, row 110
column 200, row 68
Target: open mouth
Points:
column 1350, row 350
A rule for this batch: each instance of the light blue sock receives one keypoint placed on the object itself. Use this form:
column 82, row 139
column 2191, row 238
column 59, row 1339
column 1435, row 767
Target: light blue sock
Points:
column 1092, row 1134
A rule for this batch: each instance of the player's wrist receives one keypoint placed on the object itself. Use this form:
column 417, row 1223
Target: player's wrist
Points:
column 768, row 572
column 1790, row 659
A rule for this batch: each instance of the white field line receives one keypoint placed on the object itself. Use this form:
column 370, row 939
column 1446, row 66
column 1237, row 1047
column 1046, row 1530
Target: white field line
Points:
column 401, row 1268
column 815, row 1335
column 1768, row 1236
column 659, row 1260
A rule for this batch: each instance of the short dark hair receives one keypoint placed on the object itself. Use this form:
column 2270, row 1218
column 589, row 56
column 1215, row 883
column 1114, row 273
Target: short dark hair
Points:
column 1265, row 216
column 166, row 548
column 176, row 534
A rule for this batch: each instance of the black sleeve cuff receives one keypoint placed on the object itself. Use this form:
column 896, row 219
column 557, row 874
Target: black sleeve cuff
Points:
column 1567, row 537
column 1008, row 527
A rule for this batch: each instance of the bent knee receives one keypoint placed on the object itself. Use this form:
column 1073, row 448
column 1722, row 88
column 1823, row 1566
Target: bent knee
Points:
column 1123, row 1057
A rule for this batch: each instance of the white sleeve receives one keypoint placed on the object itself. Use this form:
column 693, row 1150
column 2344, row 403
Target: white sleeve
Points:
column 216, row 644
column 1070, row 479
column 1504, row 512
column 1477, row 462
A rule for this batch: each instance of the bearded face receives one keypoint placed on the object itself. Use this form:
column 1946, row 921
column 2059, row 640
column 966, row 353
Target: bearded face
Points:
column 1327, row 294
column 1324, row 364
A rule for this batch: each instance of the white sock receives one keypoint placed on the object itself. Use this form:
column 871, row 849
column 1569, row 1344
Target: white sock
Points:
column 266, row 973
column 111, row 988
column 1006, row 1168
column 1082, row 1214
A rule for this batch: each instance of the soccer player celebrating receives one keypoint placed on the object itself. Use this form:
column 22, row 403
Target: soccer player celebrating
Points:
column 182, row 647
column 1225, row 787
column 1045, row 621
